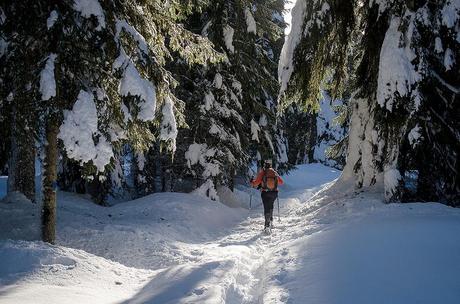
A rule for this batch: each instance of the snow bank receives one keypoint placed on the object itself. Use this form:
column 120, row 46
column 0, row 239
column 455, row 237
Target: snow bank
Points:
column 309, row 176
column 207, row 189
column 358, row 250
column 21, row 219
column 335, row 246
column 35, row 272
column 150, row 229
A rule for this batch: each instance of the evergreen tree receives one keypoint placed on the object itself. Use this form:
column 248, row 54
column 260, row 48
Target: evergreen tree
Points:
column 388, row 56
column 94, row 74
column 231, row 105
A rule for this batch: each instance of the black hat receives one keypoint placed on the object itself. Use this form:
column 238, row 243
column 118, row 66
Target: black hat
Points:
column 268, row 163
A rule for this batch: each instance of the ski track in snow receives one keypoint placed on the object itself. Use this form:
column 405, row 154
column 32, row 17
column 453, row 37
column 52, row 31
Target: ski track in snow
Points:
column 247, row 264
column 315, row 254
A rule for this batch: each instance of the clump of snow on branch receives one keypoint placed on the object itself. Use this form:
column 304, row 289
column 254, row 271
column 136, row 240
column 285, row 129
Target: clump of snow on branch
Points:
column 79, row 131
column 285, row 65
column 449, row 59
column 200, row 154
column 391, row 180
column 414, row 136
column 450, row 13
column 218, row 81
column 132, row 84
column 51, row 19
column 251, row 23
column 255, row 129
column 47, row 80
column 207, row 189
column 122, row 25
column 397, row 74
column 438, row 45
column 88, row 8
column 208, row 101
column 168, row 126
column 228, row 32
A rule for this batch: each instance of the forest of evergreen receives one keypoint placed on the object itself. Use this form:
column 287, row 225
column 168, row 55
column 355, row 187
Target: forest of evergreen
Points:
column 122, row 98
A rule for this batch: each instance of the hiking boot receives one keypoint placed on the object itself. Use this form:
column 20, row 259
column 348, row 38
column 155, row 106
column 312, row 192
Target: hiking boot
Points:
column 267, row 230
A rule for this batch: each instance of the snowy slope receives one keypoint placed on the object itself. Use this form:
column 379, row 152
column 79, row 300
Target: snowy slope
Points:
column 332, row 245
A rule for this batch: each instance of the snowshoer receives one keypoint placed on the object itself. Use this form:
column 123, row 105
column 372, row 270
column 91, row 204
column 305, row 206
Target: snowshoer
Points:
column 268, row 181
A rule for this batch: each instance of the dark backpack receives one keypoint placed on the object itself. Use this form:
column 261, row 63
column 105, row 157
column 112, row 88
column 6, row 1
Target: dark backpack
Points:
column 270, row 180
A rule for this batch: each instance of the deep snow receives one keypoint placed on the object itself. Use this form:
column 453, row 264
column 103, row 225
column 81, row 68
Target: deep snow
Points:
column 332, row 245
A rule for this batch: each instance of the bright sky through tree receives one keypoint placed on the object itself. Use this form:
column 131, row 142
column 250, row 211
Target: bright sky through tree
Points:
column 287, row 15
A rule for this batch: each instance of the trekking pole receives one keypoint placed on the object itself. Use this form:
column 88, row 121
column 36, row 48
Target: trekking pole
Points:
column 279, row 217
column 250, row 201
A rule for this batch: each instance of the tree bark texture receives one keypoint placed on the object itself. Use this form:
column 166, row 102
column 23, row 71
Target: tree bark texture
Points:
column 21, row 167
column 50, row 183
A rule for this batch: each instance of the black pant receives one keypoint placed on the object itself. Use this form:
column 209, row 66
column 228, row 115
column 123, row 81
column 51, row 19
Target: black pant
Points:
column 268, row 198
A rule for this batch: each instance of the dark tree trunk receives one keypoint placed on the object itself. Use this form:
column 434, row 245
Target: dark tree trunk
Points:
column 50, row 183
column 21, row 169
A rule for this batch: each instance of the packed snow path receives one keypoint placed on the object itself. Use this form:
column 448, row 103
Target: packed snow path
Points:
column 335, row 247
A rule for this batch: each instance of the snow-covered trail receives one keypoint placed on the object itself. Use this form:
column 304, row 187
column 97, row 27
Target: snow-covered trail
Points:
column 337, row 247
column 181, row 249
column 244, row 265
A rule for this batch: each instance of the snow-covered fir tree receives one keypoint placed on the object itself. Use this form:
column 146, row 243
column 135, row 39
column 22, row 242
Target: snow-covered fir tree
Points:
column 229, row 117
column 95, row 73
column 398, row 62
column 234, row 101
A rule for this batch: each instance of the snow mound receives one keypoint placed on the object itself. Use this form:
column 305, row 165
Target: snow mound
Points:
column 148, row 228
column 44, row 274
column 20, row 218
column 351, row 248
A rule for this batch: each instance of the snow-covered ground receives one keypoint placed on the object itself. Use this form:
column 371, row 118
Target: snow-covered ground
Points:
column 335, row 246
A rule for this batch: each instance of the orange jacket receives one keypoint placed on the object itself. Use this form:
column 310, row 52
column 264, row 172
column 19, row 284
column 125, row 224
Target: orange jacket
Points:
column 256, row 182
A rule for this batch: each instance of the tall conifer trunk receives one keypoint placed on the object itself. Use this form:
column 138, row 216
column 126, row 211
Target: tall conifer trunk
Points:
column 21, row 168
column 49, row 183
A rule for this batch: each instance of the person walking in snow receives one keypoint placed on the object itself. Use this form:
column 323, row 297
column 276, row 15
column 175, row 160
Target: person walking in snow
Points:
column 268, row 180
